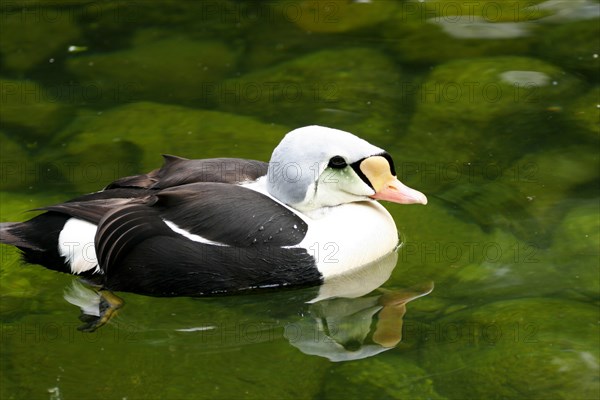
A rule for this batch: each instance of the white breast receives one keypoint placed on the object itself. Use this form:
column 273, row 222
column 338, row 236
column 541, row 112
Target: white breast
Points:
column 346, row 237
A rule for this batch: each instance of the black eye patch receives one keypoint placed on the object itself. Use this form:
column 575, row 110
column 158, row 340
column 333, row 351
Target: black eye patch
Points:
column 337, row 162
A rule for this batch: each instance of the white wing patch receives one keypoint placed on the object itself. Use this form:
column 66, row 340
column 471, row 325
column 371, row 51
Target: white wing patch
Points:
column 191, row 236
column 76, row 245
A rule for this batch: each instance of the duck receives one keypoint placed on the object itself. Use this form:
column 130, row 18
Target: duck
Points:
column 202, row 227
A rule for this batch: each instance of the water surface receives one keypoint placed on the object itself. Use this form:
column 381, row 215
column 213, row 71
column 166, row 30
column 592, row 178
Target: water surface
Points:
column 491, row 109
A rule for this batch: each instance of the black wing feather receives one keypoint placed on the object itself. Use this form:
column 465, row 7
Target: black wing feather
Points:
column 92, row 210
column 231, row 214
column 139, row 253
column 122, row 229
column 178, row 171
column 170, row 266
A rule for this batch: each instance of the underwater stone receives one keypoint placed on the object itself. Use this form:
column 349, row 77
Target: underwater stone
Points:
column 309, row 26
column 478, row 260
column 427, row 253
column 33, row 36
column 18, row 204
column 91, row 164
column 48, row 3
column 14, row 166
column 511, row 266
column 222, row 20
column 474, row 27
column 481, row 89
column 473, row 109
column 263, row 50
column 380, row 378
column 549, row 177
column 139, row 133
column 573, row 46
column 575, row 249
column 560, row 11
column 337, row 15
column 584, row 113
column 335, row 87
column 525, row 348
column 466, row 29
column 525, row 198
column 523, row 78
column 489, row 10
column 141, row 73
column 30, row 107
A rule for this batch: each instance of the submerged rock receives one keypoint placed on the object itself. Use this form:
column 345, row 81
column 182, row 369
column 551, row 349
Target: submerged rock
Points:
column 475, row 110
column 354, row 89
column 32, row 109
column 584, row 113
column 503, row 223
column 16, row 165
column 573, row 46
column 223, row 20
column 475, row 263
column 380, row 378
column 466, row 29
column 337, row 15
column 49, row 3
column 263, row 50
column 559, row 11
column 533, row 188
column 575, row 249
column 36, row 35
column 510, row 266
column 309, row 26
column 526, row 348
column 141, row 72
column 490, row 10
column 428, row 254
column 129, row 140
column 550, row 177
column 527, row 199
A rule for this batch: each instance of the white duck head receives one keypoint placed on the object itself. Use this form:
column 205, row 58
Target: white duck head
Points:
column 315, row 167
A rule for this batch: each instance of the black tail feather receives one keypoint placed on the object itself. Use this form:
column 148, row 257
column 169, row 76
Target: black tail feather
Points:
column 8, row 235
column 37, row 239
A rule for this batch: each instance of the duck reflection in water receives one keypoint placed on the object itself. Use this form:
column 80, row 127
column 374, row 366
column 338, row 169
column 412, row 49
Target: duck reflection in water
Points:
column 350, row 329
column 352, row 319
column 346, row 319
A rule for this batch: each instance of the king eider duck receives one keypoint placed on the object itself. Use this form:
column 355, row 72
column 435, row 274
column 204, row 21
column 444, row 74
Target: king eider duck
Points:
column 225, row 225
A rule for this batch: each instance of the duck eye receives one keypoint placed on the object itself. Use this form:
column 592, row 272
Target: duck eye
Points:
column 337, row 162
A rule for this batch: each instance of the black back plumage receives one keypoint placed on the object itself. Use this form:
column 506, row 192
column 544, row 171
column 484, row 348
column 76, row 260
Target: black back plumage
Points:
column 232, row 215
column 178, row 171
column 139, row 252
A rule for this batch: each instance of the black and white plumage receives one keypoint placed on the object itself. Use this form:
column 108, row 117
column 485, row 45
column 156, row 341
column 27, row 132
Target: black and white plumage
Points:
column 214, row 226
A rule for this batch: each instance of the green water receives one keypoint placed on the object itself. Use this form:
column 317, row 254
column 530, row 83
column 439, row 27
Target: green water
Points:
column 491, row 108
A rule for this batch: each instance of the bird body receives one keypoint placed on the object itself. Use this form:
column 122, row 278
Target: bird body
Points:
column 225, row 225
